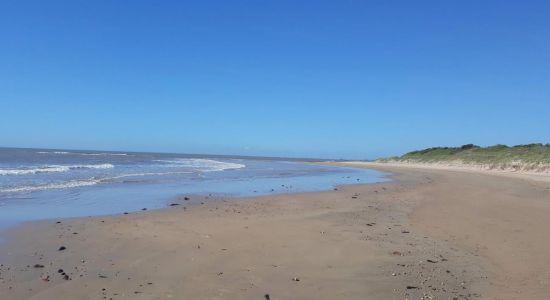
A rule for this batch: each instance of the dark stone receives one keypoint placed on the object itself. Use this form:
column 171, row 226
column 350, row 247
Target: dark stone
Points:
column 185, row 198
column 266, row 296
column 174, row 204
column 38, row 266
column 62, row 248
column 411, row 287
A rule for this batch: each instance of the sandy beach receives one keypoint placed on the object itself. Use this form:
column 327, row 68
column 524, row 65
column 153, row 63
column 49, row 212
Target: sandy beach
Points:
column 429, row 234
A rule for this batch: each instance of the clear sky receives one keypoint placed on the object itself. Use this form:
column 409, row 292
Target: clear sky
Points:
column 341, row 79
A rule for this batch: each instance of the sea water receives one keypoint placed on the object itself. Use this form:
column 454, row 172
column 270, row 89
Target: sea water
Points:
column 40, row 184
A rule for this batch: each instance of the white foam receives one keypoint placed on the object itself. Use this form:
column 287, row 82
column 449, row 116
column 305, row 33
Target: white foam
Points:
column 202, row 165
column 80, row 183
column 103, row 154
column 145, row 174
column 53, row 152
column 52, row 168
column 79, row 153
column 98, row 166
column 63, row 185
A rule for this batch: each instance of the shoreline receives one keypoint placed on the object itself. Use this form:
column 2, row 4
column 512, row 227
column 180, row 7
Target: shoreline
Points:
column 391, row 240
column 539, row 176
column 116, row 198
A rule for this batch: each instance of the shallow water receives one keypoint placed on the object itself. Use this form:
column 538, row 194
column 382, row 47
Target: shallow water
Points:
column 43, row 184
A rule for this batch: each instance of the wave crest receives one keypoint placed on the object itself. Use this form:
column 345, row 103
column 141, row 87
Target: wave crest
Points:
column 62, row 185
column 52, row 168
column 201, row 164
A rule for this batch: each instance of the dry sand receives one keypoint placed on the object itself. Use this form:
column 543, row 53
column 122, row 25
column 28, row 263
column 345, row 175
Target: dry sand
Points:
column 543, row 174
column 431, row 234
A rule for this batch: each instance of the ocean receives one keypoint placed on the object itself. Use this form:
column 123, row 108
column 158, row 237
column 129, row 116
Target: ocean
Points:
column 38, row 184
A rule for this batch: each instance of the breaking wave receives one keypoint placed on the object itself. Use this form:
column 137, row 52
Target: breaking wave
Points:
column 51, row 169
column 71, row 173
column 201, row 164
column 62, row 185
column 81, row 183
column 80, row 153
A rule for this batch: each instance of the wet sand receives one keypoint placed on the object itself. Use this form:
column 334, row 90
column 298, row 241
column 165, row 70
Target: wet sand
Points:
column 430, row 234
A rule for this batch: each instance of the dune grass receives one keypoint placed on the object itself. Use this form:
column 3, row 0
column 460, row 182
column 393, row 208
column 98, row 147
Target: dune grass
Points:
column 531, row 156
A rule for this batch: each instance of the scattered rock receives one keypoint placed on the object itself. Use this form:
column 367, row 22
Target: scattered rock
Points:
column 174, row 204
column 38, row 266
column 431, row 261
column 62, row 248
column 266, row 296
column 411, row 287
column 295, row 279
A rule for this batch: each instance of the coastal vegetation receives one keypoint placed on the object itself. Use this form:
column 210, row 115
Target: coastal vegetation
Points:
column 534, row 157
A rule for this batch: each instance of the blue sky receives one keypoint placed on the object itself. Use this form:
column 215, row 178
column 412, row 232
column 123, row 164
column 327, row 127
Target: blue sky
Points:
column 341, row 79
